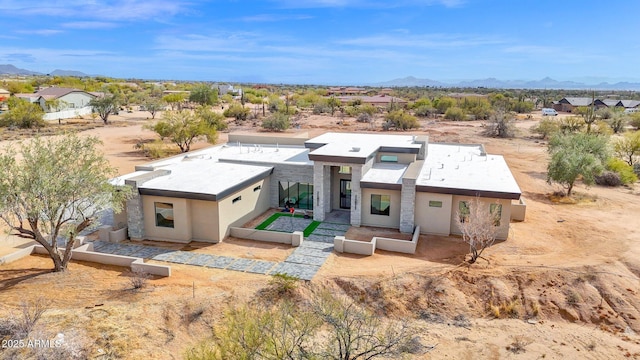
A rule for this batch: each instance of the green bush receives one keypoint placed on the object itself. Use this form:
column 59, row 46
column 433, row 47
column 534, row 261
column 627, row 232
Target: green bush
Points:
column 276, row 122
column 455, row 114
column 546, row 128
column 635, row 120
column 237, row 111
column 424, row 110
column 627, row 176
column 400, row 120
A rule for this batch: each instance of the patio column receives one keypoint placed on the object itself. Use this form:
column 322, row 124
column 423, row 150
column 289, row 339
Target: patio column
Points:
column 321, row 187
column 356, row 195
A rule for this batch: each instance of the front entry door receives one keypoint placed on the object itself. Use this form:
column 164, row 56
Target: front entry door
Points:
column 345, row 194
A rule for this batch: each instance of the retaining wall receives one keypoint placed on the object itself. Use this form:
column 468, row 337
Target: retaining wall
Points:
column 518, row 210
column 295, row 238
column 343, row 245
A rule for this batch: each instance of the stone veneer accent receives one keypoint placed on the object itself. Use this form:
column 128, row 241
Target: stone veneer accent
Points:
column 407, row 205
column 135, row 213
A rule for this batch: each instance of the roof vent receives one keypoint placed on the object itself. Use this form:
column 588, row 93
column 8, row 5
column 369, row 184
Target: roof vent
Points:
column 355, row 149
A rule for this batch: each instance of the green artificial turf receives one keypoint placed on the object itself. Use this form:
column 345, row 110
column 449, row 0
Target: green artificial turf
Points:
column 273, row 218
column 311, row 227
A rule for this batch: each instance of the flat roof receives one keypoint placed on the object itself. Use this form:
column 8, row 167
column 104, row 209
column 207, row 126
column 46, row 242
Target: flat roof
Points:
column 204, row 179
column 255, row 153
column 384, row 176
column 466, row 170
column 356, row 148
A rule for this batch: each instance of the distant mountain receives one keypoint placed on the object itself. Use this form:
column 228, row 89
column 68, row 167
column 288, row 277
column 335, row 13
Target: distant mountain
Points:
column 12, row 70
column 546, row 83
column 58, row 72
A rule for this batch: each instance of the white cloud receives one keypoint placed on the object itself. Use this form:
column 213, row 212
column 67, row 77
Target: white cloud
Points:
column 43, row 32
column 89, row 25
column 310, row 4
column 433, row 41
column 274, row 17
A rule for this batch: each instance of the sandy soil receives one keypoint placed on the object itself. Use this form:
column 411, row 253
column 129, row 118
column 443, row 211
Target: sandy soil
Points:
column 564, row 285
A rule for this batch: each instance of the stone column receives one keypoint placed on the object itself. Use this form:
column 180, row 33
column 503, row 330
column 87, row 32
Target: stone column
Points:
column 318, row 191
column 356, row 195
column 135, row 213
column 407, row 204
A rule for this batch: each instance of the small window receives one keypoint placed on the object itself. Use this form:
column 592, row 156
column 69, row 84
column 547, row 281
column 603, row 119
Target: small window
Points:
column 496, row 213
column 164, row 214
column 436, row 204
column 463, row 210
column 345, row 170
column 236, row 199
column 257, row 188
column 389, row 158
column 380, row 204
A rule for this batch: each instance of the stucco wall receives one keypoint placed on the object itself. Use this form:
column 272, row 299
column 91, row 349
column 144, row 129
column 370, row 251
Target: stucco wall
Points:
column 252, row 204
column 503, row 231
column 433, row 220
column 181, row 219
column 204, row 221
column 391, row 221
column 75, row 100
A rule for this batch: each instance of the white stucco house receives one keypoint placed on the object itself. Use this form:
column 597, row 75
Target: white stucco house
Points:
column 61, row 103
column 391, row 181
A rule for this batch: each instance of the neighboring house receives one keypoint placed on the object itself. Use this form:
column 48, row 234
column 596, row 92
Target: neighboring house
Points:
column 226, row 89
column 346, row 91
column 4, row 96
column 569, row 103
column 66, row 98
column 391, row 181
column 376, row 100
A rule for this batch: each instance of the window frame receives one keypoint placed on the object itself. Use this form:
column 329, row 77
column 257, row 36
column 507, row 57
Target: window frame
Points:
column 378, row 211
column 170, row 223
column 496, row 216
column 432, row 203
column 464, row 211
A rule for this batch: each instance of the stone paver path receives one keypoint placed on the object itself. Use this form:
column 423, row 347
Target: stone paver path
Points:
column 304, row 262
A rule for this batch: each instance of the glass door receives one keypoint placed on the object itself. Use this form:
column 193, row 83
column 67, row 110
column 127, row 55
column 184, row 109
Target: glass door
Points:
column 345, row 194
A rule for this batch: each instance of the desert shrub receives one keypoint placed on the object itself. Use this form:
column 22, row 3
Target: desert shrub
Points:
column 617, row 122
column 276, row 122
column 364, row 118
column 522, row 107
column 321, row 108
column 138, row 279
column 601, row 127
column 23, row 115
column 627, row 176
column 367, row 109
column 500, row 125
column 400, row 120
column 571, row 124
column 283, row 284
column 604, row 113
column 546, row 128
column 237, row 111
column 424, row 110
column 455, row 114
column 635, row 120
column 608, row 178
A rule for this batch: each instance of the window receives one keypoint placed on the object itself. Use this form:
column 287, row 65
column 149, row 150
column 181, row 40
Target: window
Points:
column 345, row 170
column 463, row 210
column 389, row 158
column 164, row 214
column 433, row 203
column 236, row 199
column 257, row 188
column 496, row 213
column 380, row 204
column 298, row 195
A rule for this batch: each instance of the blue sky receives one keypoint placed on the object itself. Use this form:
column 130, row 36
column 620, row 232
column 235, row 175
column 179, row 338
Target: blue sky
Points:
column 325, row 41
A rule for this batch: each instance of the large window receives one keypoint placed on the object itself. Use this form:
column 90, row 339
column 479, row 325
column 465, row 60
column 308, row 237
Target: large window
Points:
column 380, row 204
column 164, row 214
column 463, row 210
column 345, row 170
column 389, row 158
column 434, row 203
column 295, row 194
column 496, row 213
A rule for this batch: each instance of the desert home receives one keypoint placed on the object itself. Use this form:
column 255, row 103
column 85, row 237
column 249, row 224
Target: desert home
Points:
column 61, row 103
column 393, row 181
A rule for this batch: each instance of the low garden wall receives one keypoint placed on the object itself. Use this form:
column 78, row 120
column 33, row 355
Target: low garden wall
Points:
column 84, row 252
column 344, row 245
column 518, row 210
column 295, row 238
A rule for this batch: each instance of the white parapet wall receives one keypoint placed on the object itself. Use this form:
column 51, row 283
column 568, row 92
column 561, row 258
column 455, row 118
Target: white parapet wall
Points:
column 343, row 245
column 518, row 210
column 295, row 238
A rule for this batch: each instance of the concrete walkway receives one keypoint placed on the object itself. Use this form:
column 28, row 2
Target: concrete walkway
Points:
column 304, row 262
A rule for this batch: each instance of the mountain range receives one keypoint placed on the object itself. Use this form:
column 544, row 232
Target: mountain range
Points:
column 546, row 83
column 9, row 69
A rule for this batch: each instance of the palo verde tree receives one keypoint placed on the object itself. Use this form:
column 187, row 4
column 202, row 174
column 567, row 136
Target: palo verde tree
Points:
column 576, row 155
column 153, row 106
column 22, row 114
column 57, row 189
column 627, row 147
column 204, row 94
column 105, row 106
column 183, row 128
column 478, row 223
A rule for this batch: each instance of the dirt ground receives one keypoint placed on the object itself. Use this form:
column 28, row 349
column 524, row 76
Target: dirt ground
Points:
column 564, row 285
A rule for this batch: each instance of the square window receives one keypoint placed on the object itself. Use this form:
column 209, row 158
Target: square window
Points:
column 436, row 204
column 389, row 158
column 496, row 213
column 345, row 170
column 380, row 204
column 164, row 214
column 463, row 211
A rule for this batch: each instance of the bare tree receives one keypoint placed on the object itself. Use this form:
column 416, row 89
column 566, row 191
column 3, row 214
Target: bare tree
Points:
column 478, row 223
column 500, row 125
column 354, row 332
